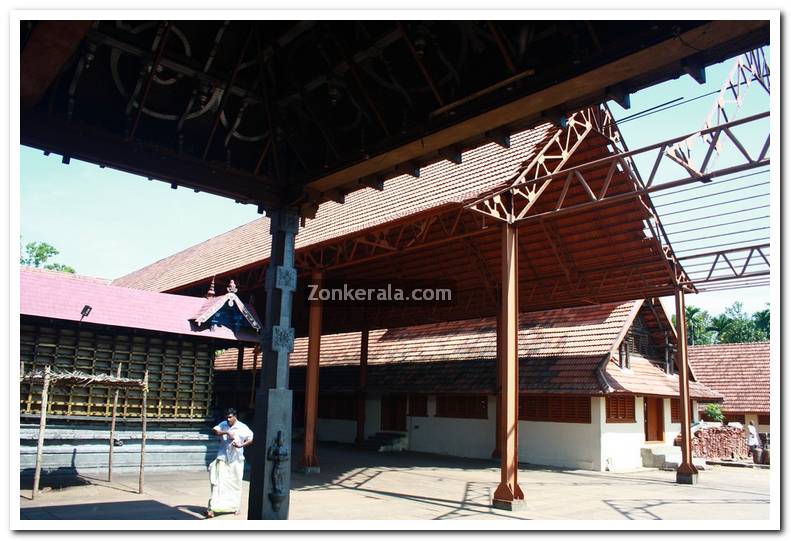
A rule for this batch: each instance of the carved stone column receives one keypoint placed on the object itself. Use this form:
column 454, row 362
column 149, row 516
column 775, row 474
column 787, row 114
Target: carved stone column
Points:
column 270, row 481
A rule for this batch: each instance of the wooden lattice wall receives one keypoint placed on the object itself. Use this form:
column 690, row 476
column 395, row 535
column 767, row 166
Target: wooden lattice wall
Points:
column 179, row 371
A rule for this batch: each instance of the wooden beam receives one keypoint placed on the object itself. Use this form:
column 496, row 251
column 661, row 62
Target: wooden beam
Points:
column 50, row 45
column 686, row 473
column 42, row 425
column 310, row 460
column 362, row 395
column 509, row 495
column 593, row 82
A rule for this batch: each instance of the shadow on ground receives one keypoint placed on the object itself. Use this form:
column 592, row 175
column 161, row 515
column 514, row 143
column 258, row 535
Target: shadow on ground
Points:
column 127, row 510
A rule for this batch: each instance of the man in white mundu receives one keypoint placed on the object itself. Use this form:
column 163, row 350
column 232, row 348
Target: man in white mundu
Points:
column 227, row 470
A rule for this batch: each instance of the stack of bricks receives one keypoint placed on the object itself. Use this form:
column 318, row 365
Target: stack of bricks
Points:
column 719, row 442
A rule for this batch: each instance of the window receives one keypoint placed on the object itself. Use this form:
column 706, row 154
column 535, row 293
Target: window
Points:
column 555, row 409
column 763, row 419
column 620, row 409
column 418, row 405
column 675, row 410
column 733, row 417
column 337, row 406
column 463, row 406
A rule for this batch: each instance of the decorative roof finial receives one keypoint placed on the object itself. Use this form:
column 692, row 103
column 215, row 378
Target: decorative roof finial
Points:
column 210, row 293
column 232, row 287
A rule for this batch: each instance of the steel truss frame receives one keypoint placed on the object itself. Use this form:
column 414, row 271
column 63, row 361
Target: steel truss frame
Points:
column 730, row 265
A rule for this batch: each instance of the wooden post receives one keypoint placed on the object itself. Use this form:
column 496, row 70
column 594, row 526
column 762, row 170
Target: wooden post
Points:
column 239, row 371
column 686, row 473
column 310, row 461
column 499, row 395
column 252, row 384
column 112, row 429
column 141, row 477
column 41, row 427
column 509, row 495
column 362, row 395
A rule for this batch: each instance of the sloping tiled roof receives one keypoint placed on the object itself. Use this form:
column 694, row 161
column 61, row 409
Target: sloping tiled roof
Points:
column 439, row 184
column 646, row 378
column 560, row 351
column 739, row 371
column 62, row 296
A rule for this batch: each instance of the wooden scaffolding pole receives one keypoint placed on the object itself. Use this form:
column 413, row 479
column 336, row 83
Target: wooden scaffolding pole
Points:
column 141, row 477
column 112, row 429
column 310, row 460
column 42, row 424
column 686, row 473
column 509, row 495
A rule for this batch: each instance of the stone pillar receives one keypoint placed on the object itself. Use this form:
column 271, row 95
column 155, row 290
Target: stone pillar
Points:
column 509, row 495
column 361, row 394
column 270, row 479
column 310, row 460
column 686, row 473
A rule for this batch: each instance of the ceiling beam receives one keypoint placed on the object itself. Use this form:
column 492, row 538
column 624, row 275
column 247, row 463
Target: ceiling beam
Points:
column 656, row 57
column 49, row 47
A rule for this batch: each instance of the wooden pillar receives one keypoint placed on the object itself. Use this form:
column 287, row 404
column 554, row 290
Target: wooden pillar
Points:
column 112, row 429
column 42, row 425
column 361, row 394
column 143, row 418
column 270, row 479
column 499, row 395
column 686, row 473
column 254, row 375
column 310, row 460
column 509, row 495
column 239, row 401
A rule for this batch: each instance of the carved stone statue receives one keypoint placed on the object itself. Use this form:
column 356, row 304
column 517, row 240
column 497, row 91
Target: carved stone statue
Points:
column 279, row 455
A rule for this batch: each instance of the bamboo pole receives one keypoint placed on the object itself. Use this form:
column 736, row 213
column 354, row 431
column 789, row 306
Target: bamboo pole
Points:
column 41, row 426
column 112, row 429
column 140, row 479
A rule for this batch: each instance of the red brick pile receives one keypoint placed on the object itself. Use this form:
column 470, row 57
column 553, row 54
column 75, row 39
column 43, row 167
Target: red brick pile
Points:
column 719, row 442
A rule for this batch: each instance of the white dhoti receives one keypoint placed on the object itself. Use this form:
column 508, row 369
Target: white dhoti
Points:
column 226, row 485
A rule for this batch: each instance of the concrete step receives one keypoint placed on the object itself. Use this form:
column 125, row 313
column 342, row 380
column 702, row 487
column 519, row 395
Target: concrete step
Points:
column 666, row 457
column 386, row 441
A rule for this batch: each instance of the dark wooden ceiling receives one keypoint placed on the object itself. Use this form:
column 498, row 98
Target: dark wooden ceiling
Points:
column 297, row 112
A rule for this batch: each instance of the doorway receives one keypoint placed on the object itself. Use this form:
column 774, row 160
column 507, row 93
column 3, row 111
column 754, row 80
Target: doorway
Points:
column 394, row 412
column 654, row 419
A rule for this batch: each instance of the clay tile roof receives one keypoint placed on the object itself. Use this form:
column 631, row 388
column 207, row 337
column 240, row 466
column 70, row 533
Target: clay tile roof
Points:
column 441, row 183
column 62, row 296
column 646, row 378
column 560, row 351
column 740, row 372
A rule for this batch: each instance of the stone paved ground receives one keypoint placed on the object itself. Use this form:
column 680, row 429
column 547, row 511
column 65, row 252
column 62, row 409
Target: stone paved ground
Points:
column 363, row 485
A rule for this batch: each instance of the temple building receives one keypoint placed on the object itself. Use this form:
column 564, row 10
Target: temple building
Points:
column 740, row 373
column 86, row 325
column 598, row 385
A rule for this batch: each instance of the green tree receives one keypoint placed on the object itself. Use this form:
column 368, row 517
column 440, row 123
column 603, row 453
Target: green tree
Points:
column 39, row 253
column 741, row 327
column 761, row 320
column 698, row 323
column 713, row 412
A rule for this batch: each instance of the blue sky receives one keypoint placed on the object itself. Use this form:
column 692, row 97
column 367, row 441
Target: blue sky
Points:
column 108, row 223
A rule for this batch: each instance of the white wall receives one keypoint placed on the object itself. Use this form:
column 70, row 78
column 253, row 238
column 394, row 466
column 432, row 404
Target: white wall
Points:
column 595, row 446
column 621, row 442
column 340, row 430
column 471, row 438
column 672, row 429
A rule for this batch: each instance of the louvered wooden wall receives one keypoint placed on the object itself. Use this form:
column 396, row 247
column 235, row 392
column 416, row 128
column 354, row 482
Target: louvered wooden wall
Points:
column 179, row 371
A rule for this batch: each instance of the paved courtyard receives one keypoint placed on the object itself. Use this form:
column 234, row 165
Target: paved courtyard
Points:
column 357, row 484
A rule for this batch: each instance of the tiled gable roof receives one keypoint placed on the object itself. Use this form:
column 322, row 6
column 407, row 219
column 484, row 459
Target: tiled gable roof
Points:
column 560, row 351
column 62, row 296
column 740, row 372
column 441, row 183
